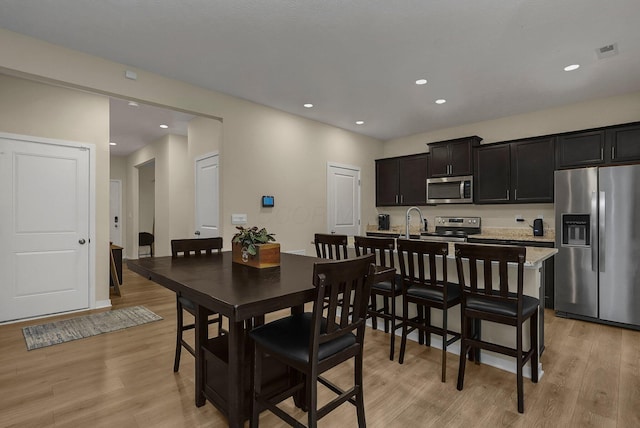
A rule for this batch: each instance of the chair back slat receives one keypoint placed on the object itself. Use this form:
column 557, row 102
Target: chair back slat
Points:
column 383, row 249
column 195, row 247
column 330, row 246
column 342, row 293
column 421, row 261
column 490, row 256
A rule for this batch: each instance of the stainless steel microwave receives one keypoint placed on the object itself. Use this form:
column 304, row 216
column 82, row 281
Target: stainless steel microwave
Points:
column 450, row 190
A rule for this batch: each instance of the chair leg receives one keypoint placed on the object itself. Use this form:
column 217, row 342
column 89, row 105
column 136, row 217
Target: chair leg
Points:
column 464, row 327
column 405, row 320
column 533, row 329
column 385, row 306
column 180, row 323
column 374, row 311
column 519, row 365
column 444, row 345
column 256, row 388
column 393, row 328
column 427, row 321
column 312, row 399
column 360, row 395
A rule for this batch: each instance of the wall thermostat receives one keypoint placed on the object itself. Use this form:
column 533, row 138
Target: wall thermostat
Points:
column 268, row 201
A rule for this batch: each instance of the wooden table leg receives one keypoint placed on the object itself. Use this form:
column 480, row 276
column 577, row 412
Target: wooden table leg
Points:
column 201, row 337
column 236, row 379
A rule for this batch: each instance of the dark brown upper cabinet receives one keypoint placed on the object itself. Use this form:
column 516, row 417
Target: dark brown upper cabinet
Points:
column 580, row 149
column 515, row 172
column 599, row 147
column 452, row 157
column 401, row 181
column 623, row 143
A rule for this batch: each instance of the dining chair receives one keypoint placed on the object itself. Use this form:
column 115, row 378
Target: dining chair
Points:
column 313, row 342
column 330, row 246
column 425, row 283
column 146, row 239
column 483, row 298
column 192, row 248
column 384, row 285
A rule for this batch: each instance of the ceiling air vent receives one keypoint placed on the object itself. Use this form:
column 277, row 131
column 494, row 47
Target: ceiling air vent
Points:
column 607, row 51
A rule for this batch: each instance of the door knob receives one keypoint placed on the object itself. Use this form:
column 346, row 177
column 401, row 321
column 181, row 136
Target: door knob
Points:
column 197, row 233
column 81, row 241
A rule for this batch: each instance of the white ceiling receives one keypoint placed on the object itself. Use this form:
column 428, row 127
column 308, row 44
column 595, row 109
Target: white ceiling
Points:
column 359, row 59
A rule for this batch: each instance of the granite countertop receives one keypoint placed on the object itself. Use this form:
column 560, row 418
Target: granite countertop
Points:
column 535, row 255
column 501, row 233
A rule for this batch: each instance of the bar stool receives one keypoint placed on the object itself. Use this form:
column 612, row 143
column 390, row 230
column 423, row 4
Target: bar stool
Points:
column 494, row 302
column 384, row 284
column 420, row 264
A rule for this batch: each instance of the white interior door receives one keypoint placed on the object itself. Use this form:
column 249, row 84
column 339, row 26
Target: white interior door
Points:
column 115, row 212
column 44, row 232
column 343, row 199
column 207, row 197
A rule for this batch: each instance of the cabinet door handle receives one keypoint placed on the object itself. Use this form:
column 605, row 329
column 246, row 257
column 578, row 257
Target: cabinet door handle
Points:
column 613, row 152
column 396, row 199
column 402, row 199
column 515, row 194
column 601, row 153
column 507, row 194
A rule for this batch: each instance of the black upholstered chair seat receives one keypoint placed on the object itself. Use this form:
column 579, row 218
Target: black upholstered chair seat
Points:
column 529, row 305
column 453, row 293
column 387, row 286
column 291, row 336
column 186, row 303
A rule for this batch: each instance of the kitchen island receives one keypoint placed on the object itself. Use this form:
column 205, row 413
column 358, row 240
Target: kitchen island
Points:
column 505, row 335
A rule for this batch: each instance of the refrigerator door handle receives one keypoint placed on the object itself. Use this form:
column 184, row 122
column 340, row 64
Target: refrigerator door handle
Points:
column 594, row 217
column 602, row 239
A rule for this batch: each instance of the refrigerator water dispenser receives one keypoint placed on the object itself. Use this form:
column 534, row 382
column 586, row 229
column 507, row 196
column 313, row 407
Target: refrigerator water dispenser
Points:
column 576, row 230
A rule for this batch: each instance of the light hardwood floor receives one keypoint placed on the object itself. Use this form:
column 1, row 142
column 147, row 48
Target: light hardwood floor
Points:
column 125, row 379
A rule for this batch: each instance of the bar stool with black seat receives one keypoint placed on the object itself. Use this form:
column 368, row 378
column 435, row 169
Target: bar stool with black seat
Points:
column 192, row 248
column 384, row 284
column 312, row 343
column 146, row 239
column 421, row 263
column 489, row 300
column 330, row 246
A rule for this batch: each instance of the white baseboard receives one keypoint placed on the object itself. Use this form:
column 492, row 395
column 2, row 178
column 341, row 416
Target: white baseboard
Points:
column 100, row 304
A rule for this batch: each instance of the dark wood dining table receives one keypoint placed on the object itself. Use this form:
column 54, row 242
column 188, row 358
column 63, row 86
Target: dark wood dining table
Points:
column 240, row 293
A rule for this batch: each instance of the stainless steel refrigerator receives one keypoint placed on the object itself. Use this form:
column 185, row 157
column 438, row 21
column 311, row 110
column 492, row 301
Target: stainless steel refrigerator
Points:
column 597, row 268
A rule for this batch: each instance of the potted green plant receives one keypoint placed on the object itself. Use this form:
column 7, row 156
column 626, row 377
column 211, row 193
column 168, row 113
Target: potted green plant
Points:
column 250, row 245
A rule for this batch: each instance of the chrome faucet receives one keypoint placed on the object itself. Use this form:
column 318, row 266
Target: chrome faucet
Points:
column 409, row 219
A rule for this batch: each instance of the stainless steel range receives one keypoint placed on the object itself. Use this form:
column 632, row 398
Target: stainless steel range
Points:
column 453, row 229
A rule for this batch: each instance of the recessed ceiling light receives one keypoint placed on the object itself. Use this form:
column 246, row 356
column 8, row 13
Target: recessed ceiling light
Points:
column 113, row 144
column 421, row 82
column 308, row 105
column 163, row 126
column 441, row 101
column 133, row 104
column 572, row 67
column 359, row 122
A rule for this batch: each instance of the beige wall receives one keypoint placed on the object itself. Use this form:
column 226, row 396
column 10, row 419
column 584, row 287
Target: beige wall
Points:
column 592, row 114
column 34, row 109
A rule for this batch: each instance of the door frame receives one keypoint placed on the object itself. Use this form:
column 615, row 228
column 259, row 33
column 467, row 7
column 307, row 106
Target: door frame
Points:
column 92, row 304
column 358, row 201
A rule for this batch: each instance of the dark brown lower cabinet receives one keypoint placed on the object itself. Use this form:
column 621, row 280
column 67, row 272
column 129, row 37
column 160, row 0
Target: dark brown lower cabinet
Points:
column 276, row 376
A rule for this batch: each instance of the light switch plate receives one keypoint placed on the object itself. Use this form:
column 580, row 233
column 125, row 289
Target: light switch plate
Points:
column 238, row 219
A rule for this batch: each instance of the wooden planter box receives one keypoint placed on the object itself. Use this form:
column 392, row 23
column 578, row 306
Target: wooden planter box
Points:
column 268, row 255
